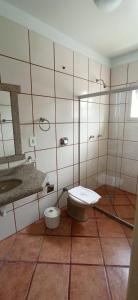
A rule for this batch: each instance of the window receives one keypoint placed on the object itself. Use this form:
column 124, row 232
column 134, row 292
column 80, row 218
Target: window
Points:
column 134, row 105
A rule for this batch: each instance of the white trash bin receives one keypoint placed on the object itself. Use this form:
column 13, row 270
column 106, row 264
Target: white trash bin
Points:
column 52, row 217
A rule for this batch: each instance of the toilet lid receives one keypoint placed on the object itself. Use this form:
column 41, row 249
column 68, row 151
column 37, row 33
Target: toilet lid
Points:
column 81, row 194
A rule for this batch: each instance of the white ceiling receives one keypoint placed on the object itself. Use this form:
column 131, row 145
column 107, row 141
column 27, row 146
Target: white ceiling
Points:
column 109, row 34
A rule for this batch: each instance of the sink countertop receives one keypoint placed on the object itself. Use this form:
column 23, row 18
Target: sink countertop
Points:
column 33, row 181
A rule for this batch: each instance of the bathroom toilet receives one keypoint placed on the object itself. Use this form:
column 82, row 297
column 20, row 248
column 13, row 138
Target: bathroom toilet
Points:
column 79, row 200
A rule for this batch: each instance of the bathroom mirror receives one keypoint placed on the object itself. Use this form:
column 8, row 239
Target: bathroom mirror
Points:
column 10, row 141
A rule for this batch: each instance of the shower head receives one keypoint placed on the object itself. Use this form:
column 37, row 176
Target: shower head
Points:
column 104, row 85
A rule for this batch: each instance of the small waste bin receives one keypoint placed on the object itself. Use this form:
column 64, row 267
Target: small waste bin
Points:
column 52, row 217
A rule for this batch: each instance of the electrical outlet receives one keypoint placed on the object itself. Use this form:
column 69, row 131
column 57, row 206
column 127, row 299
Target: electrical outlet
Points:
column 32, row 141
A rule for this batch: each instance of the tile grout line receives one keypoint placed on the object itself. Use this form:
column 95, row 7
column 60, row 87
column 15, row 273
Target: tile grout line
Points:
column 69, row 283
column 107, row 281
column 33, row 274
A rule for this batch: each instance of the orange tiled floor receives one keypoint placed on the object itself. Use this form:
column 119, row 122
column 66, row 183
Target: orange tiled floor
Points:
column 78, row 261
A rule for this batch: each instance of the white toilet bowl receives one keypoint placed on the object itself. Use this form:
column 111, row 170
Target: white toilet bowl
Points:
column 79, row 200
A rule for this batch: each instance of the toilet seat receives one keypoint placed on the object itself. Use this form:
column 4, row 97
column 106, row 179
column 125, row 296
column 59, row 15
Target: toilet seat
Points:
column 83, row 196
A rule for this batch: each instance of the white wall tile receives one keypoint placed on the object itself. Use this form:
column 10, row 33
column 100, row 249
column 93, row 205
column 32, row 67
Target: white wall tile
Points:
column 93, row 130
column 7, row 225
column 76, row 153
column 118, row 98
column 94, row 70
column 80, row 87
column 42, row 81
column 92, row 150
column 63, row 59
column 41, row 50
column 44, row 107
column 117, row 113
column 80, row 65
column 104, row 99
column 104, row 113
column 45, row 139
column 13, row 39
column 92, row 167
column 93, row 112
column 114, row 163
column 83, row 152
column 105, row 74
column 47, row 201
column 131, row 131
column 119, row 75
column 102, row 163
column 26, row 215
column 102, row 147
column 65, row 177
column 76, row 133
column 25, row 108
column 26, row 133
column 129, row 167
column 64, row 111
column 128, row 184
column 116, row 130
column 83, row 111
column 133, row 72
column 64, row 156
column 64, row 86
column 130, row 150
column 25, row 200
column 83, row 169
column 92, row 182
column 46, row 160
column 64, row 130
column 76, row 111
column 20, row 76
column 76, row 173
column 115, row 147
column 83, row 132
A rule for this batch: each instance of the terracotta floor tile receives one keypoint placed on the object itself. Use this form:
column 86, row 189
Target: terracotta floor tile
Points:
column 121, row 200
column 88, row 228
column 125, row 212
column 131, row 196
column 90, row 212
column 90, row 284
column 56, row 249
column 37, row 228
column 15, row 280
column 64, row 212
column 100, row 215
column 50, row 282
column 101, row 191
column 109, row 228
column 63, row 229
column 118, row 280
column 105, row 201
column 114, row 191
column 25, row 248
column 86, row 251
column 6, row 245
column 116, row 251
column 128, row 231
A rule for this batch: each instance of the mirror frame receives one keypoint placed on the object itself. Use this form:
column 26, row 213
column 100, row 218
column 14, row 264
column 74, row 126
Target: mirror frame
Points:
column 13, row 90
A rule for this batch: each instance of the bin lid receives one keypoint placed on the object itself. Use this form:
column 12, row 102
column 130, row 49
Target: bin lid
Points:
column 84, row 195
column 52, row 212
